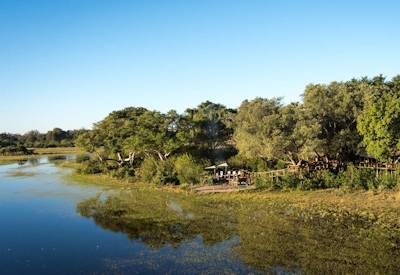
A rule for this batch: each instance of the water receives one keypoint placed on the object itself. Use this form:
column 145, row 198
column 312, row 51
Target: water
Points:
column 42, row 233
column 50, row 225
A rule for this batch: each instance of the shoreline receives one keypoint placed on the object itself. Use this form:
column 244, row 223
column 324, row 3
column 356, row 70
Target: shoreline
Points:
column 380, row 207
column 40, row 152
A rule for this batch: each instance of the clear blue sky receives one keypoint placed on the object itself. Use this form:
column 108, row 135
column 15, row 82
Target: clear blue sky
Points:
column 69, row 63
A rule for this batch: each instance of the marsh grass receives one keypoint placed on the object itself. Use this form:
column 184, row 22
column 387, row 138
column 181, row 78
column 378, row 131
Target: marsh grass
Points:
column 18, row 173
column 37, row 152
column 335, row 233
column 57, row 150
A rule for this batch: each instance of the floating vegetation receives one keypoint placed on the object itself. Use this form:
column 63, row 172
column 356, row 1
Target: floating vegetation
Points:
column 18, row 173
column 272, row 235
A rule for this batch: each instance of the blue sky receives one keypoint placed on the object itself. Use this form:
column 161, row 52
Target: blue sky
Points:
column 69, row 63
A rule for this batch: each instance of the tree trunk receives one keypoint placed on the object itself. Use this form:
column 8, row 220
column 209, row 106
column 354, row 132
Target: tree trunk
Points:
column 100, row 158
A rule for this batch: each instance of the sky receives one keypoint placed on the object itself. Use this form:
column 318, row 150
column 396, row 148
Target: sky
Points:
column 69, row 63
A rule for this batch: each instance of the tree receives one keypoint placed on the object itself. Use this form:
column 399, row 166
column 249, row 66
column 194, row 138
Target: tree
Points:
column 266, row 129
column 330, row 118
column 212, row 129
column 379, row 123
column 127, row 133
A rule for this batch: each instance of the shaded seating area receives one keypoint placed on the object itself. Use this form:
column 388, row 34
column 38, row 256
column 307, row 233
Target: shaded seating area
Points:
column 221, row 174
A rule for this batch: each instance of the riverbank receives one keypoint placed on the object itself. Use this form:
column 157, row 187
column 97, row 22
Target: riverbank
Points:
column 380, row 206
column 37, row 152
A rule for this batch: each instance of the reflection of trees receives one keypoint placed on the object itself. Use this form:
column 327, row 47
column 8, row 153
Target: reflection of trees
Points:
column 272, row 238
column 30, row 161
column 34, row 161
column 157, row 223
column 58, row 157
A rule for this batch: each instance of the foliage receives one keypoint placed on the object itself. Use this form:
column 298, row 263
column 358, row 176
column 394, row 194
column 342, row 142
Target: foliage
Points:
column 10, row 145
column 379, row 123
column 212, row 128
column 314, row 233
column 93, row 167
column 147, row 170
column 53, row 138
column 15, row 150
column 330, row 118
column 188, row 171
column 157, row 171
column 265, row 129
column 82, row 158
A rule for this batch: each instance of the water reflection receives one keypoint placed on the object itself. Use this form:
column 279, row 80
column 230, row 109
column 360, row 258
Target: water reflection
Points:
column 159, row 220
column 173, row 232
column 277, row 239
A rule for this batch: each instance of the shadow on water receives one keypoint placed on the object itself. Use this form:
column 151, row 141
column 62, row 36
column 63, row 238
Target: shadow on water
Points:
column 270, row 238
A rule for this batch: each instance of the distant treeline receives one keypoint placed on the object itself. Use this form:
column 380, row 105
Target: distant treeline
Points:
column 338, row 121
column 14, row 144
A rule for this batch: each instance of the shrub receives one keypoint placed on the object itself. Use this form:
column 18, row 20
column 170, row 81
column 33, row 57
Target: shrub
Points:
column 15, row 150
column 188, row 171
column 288, row 181
column 82, row 158
column 307, row 184
column 158, row 172
column 263, row 181
column 123, row 172
column 316, row 180
column 329, row 179
column 147, row 170
column 252, row 164
column 387, row 181
column 354, row 178
column 165, row 172
column 93, row 167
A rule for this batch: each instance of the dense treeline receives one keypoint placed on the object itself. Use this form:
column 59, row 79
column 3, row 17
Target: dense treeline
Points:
column 339, row 122
column 15, row 144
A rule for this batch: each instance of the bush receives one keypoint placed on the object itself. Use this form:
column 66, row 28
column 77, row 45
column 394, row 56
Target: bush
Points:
column 288, row 181
column 123, row 172
column 15, row 150
column 307, row 184
column 188, row 171
column 93, row 167
column 157, row 171
column 387, row 181
column 354, row 178
column 165, row 172
column 264, row 181
column 82, row 158
column 327, row 179
column 252, row 164
column 147, row 170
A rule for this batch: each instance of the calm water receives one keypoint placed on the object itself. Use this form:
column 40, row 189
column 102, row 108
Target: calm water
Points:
column 42, row 233
column 52, row 226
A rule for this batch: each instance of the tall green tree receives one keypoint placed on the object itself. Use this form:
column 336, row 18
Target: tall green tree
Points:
column 379, row 123
column 330, row 118
column 266, row 129
column 128, row 133
column 212, row 129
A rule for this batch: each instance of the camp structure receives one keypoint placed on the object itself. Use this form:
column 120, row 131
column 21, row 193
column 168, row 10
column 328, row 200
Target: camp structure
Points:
column 221, row 173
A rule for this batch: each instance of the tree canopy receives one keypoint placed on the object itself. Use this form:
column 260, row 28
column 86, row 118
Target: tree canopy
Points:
column 379, row 123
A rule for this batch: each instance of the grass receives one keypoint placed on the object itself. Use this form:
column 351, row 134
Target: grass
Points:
column 298, row 231
column 57, row 151
column 382, row 204
column 21, row 174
